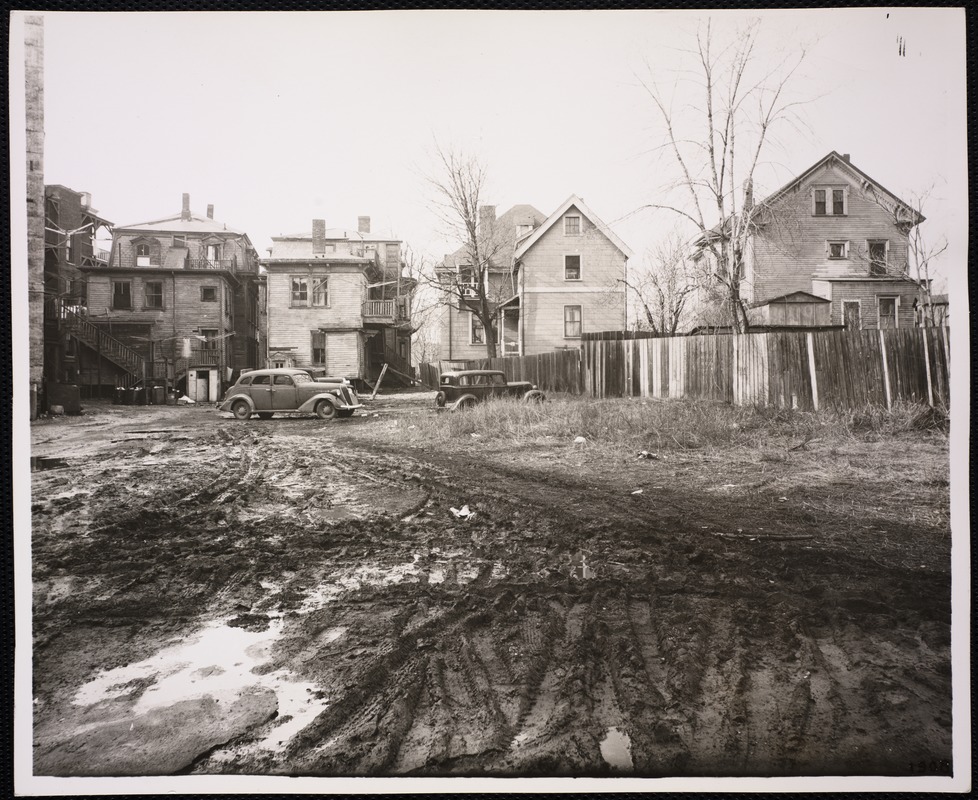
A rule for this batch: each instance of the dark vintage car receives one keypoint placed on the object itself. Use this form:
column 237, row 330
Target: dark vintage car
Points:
column 457, row 390
column 269, row 391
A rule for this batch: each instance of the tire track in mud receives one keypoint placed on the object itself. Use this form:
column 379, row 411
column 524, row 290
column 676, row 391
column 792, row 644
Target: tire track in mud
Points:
column 469, row 651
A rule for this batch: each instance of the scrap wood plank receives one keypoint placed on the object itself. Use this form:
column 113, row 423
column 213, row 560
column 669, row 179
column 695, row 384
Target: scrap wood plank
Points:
column 383, row 371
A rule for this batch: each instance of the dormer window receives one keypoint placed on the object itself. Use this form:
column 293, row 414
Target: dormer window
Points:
column 523, row 230
column 572, row 225
column 829, row 201
column 142, row 255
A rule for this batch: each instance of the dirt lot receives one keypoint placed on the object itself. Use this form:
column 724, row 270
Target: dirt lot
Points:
column 294, row 597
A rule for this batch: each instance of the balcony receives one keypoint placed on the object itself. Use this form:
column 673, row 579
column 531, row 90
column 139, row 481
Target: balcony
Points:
column 208, row 263
column 204, row 358
column 386, row 312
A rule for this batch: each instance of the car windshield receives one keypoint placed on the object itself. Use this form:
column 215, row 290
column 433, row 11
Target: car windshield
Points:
column 302, row 377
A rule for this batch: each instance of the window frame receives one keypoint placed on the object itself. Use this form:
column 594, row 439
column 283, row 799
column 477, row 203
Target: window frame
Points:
column 886, row 256
column 830, row 243
column 580, row 224
column 315, row 336
column 579, row 322
column 323, row 281
column 475, row 324
column 210, row 343
column 148, row 255
column 128, row 285
column 146, row 296
column 204, row 299
column 580, row 266
column 829, row 200
column 859, row 312
column 880, row 298
column 301, row 302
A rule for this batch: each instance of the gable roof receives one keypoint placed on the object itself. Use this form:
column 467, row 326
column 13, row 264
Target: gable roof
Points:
column 579, row 204
column 843, row 162
column 792, row 297
column 504, row 230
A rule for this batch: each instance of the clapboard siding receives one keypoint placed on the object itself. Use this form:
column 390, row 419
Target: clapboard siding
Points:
column 293, row 328
column 546, row 291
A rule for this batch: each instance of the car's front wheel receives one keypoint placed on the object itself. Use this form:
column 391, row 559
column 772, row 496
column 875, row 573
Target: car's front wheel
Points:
column 467, row 401
column 440, row 399
column 325, row 409
column 241, row 410
column 534, row 396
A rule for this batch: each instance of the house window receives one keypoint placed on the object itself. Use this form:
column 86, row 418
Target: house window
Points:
column 179, row 241
column 210, row 339
column 828, row 202
column 850, row 315
column 466, row 282
column 572, row 322
column 523, row 230
column 572, row 225
column 572, row 268
column 300, row 292
column 70, row 257
column 122, row 295
column 153, row 294
column 877, row 257
column 319, row 348
column 477, row 331
column 208, row 294
column 142, row 255
column 213, row 253
column 320, row 291
column 888, row 311
column 838, row 250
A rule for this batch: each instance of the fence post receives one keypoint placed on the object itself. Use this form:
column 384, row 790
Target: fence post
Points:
column 886, row 372
column 811, row 369
column 930, row 390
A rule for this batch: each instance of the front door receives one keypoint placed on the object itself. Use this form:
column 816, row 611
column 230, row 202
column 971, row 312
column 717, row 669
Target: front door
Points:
column 283, row 393
column 203, row 386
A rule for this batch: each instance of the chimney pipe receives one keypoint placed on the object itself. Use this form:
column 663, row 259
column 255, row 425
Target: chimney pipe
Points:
column 318, row 236
column 210, row 211
column 185, row 212
column 748, row 194
column 363, row 224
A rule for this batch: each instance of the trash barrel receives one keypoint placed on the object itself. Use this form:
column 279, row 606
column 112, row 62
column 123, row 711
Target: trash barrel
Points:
column 171, row 397
column 159, row 395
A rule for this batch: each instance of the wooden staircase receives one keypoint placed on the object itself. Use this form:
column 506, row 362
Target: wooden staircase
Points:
column 98, row 340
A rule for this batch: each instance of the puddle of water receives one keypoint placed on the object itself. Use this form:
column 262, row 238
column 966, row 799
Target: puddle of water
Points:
column 219, row 662
column 616, row 749
column 41, row 463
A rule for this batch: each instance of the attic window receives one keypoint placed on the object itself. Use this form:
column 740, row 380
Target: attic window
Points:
column 572, row 225
column 830, row 202
column 837, row 250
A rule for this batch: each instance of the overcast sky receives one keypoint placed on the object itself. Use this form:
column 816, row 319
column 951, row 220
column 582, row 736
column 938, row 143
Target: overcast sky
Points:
column 277, row 118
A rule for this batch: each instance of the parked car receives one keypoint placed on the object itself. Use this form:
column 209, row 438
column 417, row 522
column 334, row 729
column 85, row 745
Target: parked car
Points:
column 269, row 391
column 461, row 389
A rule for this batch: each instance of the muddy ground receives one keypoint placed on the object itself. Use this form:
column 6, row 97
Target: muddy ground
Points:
column 294, row 597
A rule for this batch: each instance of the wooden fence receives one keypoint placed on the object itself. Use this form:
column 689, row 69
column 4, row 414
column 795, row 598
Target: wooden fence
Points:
column 559, row 371
column 787, row 369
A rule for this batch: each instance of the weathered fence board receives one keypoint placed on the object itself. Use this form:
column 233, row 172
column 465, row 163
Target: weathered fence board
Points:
column 786, row 369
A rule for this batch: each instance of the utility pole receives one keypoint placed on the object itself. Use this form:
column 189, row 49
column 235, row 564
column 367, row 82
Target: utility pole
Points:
column 34, row 108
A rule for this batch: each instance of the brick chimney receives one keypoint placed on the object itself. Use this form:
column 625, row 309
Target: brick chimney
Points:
column 845, row 157
column 185, row 212
column 363, row 224
column 318, row 236
column 487, row 215
column 748, row 194
column 210, row 211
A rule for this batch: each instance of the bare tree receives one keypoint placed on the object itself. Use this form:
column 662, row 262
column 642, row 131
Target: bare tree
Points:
column 921, row 252
column 665, row 288
column 475, row 281
column 717, row 148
